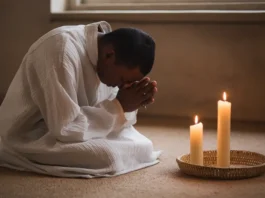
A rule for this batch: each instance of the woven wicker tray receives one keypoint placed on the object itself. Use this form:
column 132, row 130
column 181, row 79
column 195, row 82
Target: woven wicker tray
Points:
column 244, row 164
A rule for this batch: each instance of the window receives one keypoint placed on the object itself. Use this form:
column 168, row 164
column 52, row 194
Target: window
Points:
column 168, row 5
column 158, row 10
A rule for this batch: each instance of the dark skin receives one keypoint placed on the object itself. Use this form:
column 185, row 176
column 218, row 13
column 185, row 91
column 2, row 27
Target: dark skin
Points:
column 135, row 89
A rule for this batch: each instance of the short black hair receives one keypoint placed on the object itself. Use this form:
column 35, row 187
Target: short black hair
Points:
column 133, row 47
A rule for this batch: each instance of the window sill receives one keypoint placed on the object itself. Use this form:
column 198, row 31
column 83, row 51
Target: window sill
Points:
column 161, row 16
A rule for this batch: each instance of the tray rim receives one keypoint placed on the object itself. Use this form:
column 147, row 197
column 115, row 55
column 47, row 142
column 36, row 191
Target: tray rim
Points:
column 178, row 159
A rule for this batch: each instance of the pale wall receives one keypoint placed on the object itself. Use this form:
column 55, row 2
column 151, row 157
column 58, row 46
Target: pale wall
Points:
column 194, row 64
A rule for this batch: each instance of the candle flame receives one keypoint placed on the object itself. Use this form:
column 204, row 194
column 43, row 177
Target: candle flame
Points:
column 196, row 119
column 224, row 96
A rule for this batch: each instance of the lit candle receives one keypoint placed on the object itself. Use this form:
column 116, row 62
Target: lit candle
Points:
column 223, row 133
column 196, row 139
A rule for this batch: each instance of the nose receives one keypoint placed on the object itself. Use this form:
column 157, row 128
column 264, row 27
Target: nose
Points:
column 123, row 86
column 127, row 85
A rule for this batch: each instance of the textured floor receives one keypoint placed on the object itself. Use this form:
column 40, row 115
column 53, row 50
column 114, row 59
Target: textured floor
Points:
column 163, row 180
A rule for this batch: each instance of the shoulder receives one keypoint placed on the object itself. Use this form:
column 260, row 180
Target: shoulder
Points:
column 48, row 54
column 52, row 47
column 56, row 38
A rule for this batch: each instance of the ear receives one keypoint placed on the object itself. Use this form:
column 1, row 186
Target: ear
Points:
column 109, row 51
column 110, row 57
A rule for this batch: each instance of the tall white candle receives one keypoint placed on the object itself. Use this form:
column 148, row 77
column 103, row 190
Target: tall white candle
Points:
column 196, row 143
column 223, row 133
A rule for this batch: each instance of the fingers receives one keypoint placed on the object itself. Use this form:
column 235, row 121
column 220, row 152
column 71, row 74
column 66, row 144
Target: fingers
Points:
column 154, row 83
column 154, row 90
column 145, row 78
column 142, row 83
column 148, row 101
column 129, row 85
column 151, row 87
column 149, row 94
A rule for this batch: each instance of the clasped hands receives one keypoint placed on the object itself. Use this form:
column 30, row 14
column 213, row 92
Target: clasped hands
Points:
column 137, row 94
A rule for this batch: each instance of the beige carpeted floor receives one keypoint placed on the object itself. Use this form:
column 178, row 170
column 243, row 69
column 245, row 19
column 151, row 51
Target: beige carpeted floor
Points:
column 163, row 180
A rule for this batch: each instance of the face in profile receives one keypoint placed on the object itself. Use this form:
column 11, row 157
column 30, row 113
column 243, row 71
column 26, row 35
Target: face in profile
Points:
column 113, row 74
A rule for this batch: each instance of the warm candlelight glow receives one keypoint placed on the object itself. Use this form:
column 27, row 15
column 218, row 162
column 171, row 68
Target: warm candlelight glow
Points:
column 224, row 96
column 196, row 119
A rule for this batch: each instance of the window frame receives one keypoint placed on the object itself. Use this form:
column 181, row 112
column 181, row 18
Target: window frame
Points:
column 73, row 10
column 192, row 5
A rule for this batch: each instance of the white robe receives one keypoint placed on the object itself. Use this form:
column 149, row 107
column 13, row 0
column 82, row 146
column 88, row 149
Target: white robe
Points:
column 59, row 119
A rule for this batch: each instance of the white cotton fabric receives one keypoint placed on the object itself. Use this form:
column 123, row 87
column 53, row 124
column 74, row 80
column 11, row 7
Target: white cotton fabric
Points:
column 59, row 119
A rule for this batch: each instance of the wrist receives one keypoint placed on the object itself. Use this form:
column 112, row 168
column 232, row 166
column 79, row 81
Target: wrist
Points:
column 117, row 101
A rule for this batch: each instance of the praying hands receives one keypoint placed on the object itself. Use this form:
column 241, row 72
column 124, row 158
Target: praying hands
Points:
column 137, row 94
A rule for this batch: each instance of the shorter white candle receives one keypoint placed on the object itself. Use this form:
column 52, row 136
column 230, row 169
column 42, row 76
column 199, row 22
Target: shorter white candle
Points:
column 196, row 139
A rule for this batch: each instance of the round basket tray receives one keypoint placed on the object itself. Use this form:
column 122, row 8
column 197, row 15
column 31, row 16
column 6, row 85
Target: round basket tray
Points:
column 244, row 164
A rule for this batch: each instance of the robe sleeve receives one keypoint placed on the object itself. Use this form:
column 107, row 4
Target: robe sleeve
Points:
column 131, row 117
column 56, row 97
